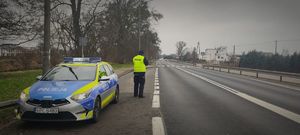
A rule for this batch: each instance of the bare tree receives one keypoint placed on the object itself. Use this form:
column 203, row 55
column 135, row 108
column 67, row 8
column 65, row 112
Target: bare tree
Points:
column 46, row 47
column 75, row 25
column 180, row 49
column 20, row 26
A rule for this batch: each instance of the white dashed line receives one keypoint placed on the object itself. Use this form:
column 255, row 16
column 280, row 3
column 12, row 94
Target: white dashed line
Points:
column 156, row 92
column 155, row 101
column 158, row 126
column 157, row 122
column 281, row 111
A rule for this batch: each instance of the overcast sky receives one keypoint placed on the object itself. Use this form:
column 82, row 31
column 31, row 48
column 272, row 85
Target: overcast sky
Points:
column 249, row 24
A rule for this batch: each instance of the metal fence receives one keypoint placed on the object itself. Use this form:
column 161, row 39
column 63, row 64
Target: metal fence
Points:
column 258, row 73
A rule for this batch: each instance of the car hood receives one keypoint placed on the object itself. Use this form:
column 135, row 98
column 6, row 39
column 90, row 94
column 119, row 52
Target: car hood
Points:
column 51, row 90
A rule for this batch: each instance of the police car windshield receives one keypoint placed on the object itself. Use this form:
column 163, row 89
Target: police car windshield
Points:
column 71, row 73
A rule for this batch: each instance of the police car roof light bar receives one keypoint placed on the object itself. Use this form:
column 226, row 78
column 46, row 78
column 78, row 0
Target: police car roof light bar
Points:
column 79, row 59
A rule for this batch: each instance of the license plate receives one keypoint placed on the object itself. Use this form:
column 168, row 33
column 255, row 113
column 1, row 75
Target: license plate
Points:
column 46, row 110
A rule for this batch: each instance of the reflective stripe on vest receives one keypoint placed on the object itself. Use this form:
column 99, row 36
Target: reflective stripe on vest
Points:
column 138, row 64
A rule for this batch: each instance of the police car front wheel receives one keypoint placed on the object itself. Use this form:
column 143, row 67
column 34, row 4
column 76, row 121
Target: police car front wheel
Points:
column 96, row 110
column 117, row 94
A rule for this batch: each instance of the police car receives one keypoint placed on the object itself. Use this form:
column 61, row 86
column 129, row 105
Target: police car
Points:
column 74, row 90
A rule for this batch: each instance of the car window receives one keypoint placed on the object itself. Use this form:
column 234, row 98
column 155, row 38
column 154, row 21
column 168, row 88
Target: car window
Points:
column 110, row 67
column 71, row 73
column 109, row 72
column 102, row 71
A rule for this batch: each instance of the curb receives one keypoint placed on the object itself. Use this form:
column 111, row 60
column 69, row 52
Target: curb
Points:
column 8, row 103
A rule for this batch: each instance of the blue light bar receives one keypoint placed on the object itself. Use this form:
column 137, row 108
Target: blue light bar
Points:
column 85, row 59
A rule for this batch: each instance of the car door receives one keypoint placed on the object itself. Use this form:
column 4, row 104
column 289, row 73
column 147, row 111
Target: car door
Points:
column 114, row 77
column 111, row 82
column 105, row 88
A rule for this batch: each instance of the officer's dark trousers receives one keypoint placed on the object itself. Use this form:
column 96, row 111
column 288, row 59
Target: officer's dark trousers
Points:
column 139, row 81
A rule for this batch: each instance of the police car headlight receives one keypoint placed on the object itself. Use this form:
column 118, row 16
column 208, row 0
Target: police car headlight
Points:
column 80, row 97
column 24, row 97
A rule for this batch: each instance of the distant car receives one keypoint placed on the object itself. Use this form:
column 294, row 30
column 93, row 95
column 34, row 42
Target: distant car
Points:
column 74, row 90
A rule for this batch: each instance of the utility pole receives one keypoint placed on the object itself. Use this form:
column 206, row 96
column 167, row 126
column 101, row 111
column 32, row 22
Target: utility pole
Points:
column 198, row 49
column 233, row 56
column 139, row 29
column 233, row 50
column 276, row 47
column 46, row 47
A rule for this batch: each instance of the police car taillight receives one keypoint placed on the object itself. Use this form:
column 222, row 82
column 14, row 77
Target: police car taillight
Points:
column 86, row 59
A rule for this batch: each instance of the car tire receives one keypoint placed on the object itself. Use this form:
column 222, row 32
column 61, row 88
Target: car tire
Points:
column 96, row 110
column 117, row 95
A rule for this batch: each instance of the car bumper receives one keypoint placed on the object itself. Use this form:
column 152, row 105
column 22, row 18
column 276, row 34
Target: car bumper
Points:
column 72, row 111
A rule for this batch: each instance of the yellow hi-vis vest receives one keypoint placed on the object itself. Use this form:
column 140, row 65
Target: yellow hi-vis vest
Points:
column 138, row 64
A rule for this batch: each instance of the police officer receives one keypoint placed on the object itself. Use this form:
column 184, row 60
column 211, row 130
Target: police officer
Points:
column 139, row 70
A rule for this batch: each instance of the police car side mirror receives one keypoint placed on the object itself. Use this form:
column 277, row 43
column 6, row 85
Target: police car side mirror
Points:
column 104, row 78
column 38, row 77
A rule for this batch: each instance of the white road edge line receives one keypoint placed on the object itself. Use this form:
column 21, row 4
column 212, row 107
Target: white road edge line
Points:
column 155, row 101
column 156, row 92
column 263, row 81
column 281, row 111
column 158, row 126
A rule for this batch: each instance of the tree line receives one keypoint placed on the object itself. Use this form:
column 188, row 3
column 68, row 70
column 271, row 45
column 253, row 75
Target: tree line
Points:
column 185, row 54
column 111, row 27
column 276, row 62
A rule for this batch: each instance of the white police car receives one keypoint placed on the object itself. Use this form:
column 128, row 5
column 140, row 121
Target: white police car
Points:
column 72, row 91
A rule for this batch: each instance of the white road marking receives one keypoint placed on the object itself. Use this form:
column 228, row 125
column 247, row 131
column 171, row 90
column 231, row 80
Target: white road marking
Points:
column 155, row 101
column 281, row 111
column 158, row 126
column 270, row 83
column 276, row 84
column 156, row 92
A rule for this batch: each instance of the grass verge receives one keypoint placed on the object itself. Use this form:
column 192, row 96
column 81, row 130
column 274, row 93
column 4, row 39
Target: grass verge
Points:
column 12, row 83
column 119, row 66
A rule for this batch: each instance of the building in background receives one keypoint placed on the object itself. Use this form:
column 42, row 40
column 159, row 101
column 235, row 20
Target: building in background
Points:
column 216, row 55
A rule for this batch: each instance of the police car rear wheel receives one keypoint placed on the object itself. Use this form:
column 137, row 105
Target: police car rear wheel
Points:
column 116, row 99
column 96, row 110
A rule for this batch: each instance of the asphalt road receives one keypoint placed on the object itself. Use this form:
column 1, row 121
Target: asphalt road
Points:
column 192, row 106
column 132, row 116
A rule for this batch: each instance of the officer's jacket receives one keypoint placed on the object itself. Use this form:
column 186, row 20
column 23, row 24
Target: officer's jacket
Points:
column 139, row 63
